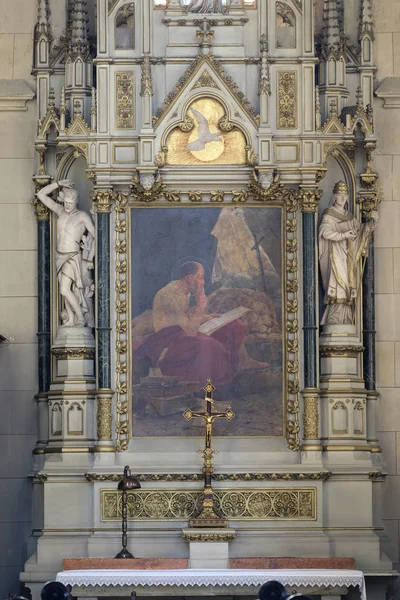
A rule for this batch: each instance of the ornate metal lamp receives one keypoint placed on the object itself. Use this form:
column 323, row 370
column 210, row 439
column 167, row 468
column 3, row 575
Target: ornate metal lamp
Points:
column 126, row 484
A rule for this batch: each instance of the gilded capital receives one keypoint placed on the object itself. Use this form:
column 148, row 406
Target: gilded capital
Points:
column 41, row 211
column 309, row 199
column 103, row 200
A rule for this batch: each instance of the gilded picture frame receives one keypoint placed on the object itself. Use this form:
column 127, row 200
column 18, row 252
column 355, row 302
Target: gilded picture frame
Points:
column 286, row 203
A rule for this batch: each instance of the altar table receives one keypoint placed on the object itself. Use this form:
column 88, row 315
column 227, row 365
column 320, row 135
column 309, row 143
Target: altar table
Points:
column 211, row 582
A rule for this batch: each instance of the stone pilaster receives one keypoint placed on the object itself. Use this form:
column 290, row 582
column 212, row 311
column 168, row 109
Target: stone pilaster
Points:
column 44, row 306
column 103, row 198
column 309, row 199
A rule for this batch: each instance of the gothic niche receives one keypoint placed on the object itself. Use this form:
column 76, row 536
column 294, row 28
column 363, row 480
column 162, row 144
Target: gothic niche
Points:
column 285, row 26
column 125, row 27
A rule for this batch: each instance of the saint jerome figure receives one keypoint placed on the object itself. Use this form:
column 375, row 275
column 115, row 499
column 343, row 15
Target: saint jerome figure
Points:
column 179, row 349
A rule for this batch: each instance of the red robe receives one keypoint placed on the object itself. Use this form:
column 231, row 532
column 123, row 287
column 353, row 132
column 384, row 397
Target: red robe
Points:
column 195, row 357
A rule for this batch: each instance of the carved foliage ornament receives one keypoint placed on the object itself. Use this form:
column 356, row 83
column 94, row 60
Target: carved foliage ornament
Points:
column 321, row 476
column 259, row 504
column 287, row 100
column 125, row 105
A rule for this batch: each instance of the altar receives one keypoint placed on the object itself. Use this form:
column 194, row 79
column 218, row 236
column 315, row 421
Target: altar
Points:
column 325, row 583
column 206, row 208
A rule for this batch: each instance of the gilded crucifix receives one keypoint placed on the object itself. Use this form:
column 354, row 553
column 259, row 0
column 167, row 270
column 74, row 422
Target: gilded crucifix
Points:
column 208, row 516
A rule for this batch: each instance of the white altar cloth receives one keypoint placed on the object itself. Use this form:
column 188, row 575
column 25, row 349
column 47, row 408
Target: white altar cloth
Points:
column 215, row 577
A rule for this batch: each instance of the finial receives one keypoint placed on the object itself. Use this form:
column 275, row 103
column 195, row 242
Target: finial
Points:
column 332, row 33
column 366, row 20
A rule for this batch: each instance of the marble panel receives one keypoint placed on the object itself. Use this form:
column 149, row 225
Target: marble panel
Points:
column 16, row 450
column 18, row 413
column 342, row 496
column 387, row 16
column 23, row 51
column 387, row 233
column 19, row 171
column 384, row 270
column 391, row 494
column 397, row 364
column 18, row 367
column 390, row 539
column 6, row 53
column 21, row 280
column 17, row 133
column 385, row 364
column 387, row 441
column 15, row 506
column 76, row 503
column 387, row 317
column 18, row 227
column 18, row 319
column 18, row 16
column 388, row 414
column 383, row 52
column 387, row 126
column 396, row 270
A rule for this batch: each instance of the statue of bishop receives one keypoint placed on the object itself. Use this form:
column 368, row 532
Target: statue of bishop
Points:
column 205, row 6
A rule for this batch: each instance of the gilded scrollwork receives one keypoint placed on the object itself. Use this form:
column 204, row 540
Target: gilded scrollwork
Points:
column 121, row 346
column 262, row 193
column 161, row 159
column 187, row 124
column 225, row 124
column 73, row 353
column 258, row 504
column 340, row 351
column 125, row 100
column 104, row 418
column 311, row 417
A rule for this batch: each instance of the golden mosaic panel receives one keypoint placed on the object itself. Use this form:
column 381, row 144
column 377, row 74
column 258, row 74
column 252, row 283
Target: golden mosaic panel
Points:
column 249, row 505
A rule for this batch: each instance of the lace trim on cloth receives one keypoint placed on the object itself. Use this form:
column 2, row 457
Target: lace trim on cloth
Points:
column 217, row 577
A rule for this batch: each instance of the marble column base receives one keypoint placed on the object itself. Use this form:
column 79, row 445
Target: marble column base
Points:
column 342, row 390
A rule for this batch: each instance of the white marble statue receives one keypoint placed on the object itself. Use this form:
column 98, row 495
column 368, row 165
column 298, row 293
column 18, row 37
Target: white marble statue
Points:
column 343, row 241
column 74, row 254
column 205, row 6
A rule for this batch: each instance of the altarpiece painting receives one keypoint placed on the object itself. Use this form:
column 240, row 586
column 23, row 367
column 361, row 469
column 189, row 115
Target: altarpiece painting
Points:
column 235, row 338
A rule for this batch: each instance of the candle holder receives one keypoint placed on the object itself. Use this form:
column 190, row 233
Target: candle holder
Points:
column 127, row 483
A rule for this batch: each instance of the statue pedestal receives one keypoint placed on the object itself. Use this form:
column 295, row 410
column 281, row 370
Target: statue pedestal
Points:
column 72, row 391
column 342, row 389
column 208, row 548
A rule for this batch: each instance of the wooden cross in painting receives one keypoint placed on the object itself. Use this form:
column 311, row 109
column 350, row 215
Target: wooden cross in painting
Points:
column 208, row 516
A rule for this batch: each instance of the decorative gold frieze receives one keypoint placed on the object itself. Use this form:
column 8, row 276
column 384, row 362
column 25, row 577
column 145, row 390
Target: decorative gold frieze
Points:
column 217, row 195
column 347, row 351
column 310, row 417
column 103, row 200
column 104, row 418
column 73, row 353
column 309, row 199
column 261, row 504
column 121, row 345
column 125, row 100
column 168, row 477
column 204, row 536
column 287, row 100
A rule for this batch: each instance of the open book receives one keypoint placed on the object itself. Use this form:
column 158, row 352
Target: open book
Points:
column 214, row 324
